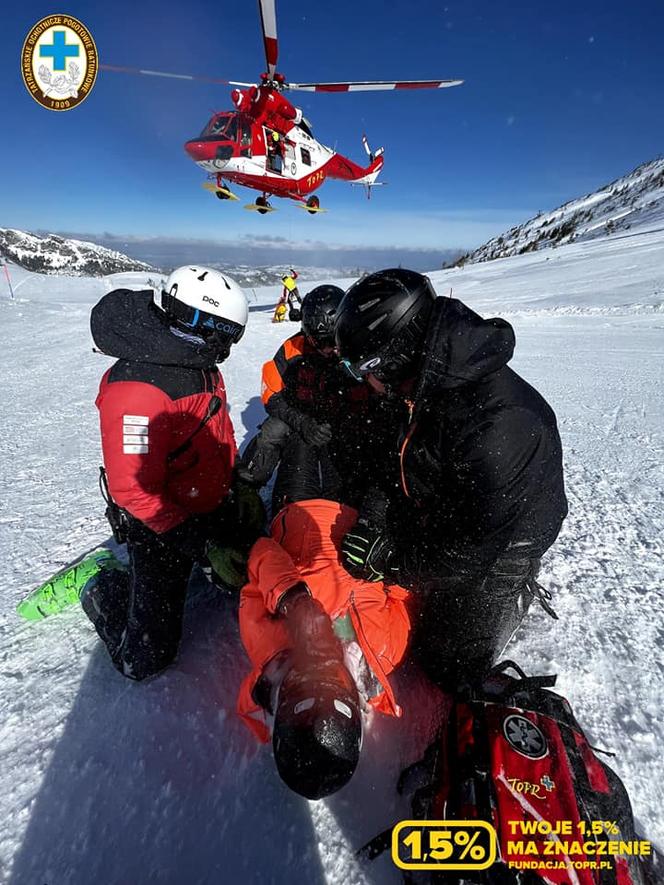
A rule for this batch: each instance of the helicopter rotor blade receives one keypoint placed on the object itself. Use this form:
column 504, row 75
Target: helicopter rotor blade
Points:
column 372, row 85
column 147, row 73
column 269, row 26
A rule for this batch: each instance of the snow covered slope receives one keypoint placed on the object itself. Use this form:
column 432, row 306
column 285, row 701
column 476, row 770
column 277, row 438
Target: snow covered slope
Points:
column 270, row 274
column 633, row 202
column 54, row 254
column 104, row 781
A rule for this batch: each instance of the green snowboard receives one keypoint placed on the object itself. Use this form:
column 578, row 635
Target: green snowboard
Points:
column 64, row 589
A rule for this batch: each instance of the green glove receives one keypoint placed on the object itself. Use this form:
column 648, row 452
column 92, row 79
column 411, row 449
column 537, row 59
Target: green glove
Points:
column 229, row 566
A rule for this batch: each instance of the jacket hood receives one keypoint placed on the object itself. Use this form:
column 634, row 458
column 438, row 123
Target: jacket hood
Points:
column 125, row 324
column 461, row 347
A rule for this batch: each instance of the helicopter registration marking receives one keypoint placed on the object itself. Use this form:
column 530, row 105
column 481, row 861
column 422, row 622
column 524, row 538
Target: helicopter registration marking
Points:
column 316, row 177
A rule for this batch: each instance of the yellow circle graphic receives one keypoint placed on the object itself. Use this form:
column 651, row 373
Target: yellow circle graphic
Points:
column 59, row 62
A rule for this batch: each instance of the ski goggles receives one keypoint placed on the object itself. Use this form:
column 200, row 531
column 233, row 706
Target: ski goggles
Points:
column 302, row 702
column 202, row 323
column 385, row 369
column 321, row 338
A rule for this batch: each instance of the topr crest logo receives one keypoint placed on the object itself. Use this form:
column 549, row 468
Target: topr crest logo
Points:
column 59, row 62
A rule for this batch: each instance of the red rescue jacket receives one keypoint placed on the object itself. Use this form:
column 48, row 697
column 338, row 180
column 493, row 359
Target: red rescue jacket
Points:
column 150, row 403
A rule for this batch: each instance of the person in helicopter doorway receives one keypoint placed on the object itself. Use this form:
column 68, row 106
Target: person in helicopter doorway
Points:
column 481, row 493
column 308, row 396
column 169, row 452
column 322, row 644
column 275, row 153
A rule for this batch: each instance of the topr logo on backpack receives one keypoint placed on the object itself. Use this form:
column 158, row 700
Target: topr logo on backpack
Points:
column 525, row 737
column 531, row 789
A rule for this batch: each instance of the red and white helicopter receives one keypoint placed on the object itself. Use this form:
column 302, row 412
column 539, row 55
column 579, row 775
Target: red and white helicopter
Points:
column 267, row 144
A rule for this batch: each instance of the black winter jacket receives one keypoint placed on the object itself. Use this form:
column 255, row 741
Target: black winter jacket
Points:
column 481, row 459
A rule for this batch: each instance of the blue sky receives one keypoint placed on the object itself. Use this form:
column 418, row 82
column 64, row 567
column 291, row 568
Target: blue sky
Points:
column 559, row 98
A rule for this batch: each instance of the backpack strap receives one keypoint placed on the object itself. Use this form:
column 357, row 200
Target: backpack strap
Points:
column 496, row 689
column 376, row 846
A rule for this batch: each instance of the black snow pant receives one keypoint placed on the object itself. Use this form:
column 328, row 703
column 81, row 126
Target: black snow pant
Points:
column 462, row 629
column 304, row 472
column 138, row 614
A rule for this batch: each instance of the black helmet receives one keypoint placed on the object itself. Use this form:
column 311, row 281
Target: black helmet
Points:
column 381, row 324
column 317, row 730
column 319, row 309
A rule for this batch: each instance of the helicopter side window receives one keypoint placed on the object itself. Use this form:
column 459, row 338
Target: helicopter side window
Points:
column 305, row 125
column 306, row 156
column 245, row 138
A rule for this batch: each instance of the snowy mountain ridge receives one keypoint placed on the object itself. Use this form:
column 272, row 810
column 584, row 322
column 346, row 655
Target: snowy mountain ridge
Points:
column 634, row 201
column 49, row 253
column 52, row 254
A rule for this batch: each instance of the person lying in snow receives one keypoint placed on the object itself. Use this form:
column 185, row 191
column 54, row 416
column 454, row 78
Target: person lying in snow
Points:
column 320, row 642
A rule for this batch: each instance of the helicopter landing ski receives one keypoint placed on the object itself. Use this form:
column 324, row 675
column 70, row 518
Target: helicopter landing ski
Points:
column 312, row 210
column 261, row 207
column 223, row 192
column 266, row 143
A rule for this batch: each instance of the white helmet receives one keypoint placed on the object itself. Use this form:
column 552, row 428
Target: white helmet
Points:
column 206, row 303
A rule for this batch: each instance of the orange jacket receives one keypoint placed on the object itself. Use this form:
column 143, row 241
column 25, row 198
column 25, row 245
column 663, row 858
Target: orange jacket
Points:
column 304, row 546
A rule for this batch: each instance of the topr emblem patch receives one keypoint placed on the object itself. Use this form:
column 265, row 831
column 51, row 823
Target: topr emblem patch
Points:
column 525, row 737
column 59, row 62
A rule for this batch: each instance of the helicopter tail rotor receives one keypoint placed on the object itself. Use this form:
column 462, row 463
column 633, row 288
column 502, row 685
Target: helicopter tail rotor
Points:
column 372, row 154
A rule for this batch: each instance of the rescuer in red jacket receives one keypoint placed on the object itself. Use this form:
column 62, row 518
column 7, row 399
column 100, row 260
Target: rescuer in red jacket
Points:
column 169, row 451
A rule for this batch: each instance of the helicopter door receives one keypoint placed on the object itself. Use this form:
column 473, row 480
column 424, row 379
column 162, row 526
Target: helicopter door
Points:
column 290, row 165
column 274, row 152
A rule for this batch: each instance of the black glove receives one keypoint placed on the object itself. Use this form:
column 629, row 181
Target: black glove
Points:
column 249, row 508
column 373, row 511
column 367, row 553
column 312, row 432
column 244, row 519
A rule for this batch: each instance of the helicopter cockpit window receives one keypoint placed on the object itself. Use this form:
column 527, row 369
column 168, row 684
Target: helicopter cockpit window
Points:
column 224, row 127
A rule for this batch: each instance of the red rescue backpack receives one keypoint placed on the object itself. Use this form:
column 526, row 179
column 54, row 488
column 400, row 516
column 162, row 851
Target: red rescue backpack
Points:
column 513, row 751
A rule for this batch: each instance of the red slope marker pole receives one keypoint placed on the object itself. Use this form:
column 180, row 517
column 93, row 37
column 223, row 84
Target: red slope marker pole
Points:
column 9, row 282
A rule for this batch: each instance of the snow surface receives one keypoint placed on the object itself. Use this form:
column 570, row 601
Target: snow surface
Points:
column 106, row 781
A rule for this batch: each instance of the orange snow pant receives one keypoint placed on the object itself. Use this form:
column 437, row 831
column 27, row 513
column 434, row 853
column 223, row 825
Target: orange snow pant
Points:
column 304, row 546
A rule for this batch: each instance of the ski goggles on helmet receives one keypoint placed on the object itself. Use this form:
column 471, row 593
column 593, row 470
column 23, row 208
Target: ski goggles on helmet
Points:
column 386, row 368
column 319, row 330
column 302, row 699
column 321, row 337
column 208, row 326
